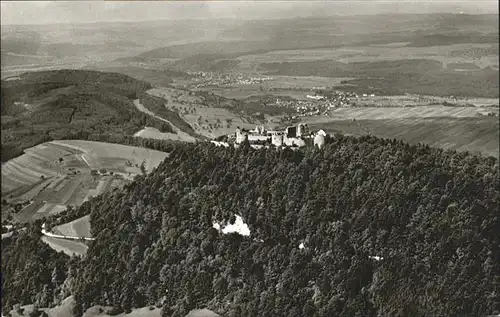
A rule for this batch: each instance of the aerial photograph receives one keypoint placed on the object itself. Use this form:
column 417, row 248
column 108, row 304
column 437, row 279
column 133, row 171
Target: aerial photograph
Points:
column 250, row 158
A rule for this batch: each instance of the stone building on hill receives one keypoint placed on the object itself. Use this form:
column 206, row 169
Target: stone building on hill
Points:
column 292, row 136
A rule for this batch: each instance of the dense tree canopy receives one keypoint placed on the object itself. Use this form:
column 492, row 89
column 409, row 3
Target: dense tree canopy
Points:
column 42, row 106
column 387, row 229
column 33, row 273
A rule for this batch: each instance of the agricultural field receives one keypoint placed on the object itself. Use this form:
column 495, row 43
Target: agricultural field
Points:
column 478, row 135
column 53, row 175
column 376, row 113
column 486, row 54
column 466, row 69
column 114, row 157
column 422, row 100
column 296, row 87
column 247, row 91
column 456, row 128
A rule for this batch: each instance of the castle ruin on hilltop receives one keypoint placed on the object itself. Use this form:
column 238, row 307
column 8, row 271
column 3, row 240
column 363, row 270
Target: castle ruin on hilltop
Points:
column 293, row 137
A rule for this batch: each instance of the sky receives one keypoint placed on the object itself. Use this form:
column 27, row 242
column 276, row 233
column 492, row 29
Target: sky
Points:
column 47, row 12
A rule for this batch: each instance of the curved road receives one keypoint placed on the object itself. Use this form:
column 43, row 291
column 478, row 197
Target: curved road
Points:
column 179, row 134
column 49, row 234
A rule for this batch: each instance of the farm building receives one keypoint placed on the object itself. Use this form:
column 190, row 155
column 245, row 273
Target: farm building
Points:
column 315, row 97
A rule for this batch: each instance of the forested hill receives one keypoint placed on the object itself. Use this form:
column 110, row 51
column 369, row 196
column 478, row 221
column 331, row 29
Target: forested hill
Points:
column 40, row 106
column 384, row 229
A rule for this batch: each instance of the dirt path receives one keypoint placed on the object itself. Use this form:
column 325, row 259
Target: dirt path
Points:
column 179, row 134
column 49, row 234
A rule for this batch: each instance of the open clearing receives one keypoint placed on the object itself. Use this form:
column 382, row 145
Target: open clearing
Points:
column 214, row 122
column 207, row 121
column 179, row 135
column 69, row 247
column 76, row 228
column 153, row 133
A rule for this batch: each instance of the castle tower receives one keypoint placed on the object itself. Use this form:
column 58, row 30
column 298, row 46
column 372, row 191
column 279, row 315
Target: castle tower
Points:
column 319, row 140
column 240, row 137
column 277, row 140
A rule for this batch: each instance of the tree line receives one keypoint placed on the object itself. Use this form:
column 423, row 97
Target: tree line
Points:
column 363, row 227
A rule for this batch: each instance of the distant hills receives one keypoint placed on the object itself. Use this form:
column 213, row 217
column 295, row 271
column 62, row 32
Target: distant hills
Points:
column 41, row 106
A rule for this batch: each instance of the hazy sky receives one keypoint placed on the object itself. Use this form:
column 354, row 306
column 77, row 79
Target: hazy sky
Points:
column 44, row 12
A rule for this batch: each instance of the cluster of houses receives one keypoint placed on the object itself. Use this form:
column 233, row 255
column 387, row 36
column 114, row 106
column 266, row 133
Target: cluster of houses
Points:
column 319, row 103
column 203, row 79
column 293, row 137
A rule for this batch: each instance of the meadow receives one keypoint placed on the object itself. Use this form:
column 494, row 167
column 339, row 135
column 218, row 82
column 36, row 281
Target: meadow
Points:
column 57, row 174
column 76, row 228
column 153, row 133
column 205, row 117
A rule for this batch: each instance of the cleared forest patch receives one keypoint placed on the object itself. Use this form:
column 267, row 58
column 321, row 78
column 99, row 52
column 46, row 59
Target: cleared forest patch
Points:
column 67, row 246
column 76, row 228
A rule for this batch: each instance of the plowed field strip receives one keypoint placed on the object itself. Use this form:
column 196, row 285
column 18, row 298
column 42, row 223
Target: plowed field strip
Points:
column 62, row 183
column 66, row 193
column 9, row 170
column 27, row 170
column 68, row 150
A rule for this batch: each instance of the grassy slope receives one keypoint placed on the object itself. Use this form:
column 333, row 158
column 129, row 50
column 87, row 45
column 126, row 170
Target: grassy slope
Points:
column 69, row 247
column 157, row 106
column 206, row 114
column 77, row 228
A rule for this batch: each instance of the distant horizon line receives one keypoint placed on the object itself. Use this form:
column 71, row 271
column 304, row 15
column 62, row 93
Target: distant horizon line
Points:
column 246, row 19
